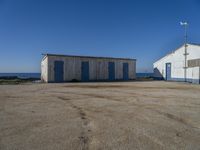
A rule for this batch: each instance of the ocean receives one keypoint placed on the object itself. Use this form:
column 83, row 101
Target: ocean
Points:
column 37, row 75
column 21, row 75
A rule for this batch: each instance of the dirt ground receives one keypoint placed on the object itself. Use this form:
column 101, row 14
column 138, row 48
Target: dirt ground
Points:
column 100, row 116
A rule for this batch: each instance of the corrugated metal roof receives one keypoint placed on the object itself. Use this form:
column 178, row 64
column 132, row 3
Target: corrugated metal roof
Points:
column 87, row 56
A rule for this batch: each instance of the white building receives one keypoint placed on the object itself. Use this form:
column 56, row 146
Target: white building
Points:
column 180, row 65
column 64, row 68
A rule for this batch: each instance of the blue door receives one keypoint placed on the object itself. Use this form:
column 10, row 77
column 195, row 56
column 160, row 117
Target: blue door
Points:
column 85, row 71
column 58, row 71
column 111, row 71
column 168, row 71
column 125, row 71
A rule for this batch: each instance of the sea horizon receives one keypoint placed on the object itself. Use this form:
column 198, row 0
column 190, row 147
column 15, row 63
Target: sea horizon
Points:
column 38, row 75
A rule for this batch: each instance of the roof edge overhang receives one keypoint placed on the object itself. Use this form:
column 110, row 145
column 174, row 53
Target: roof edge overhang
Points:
column 60, row 55
column 194, row 44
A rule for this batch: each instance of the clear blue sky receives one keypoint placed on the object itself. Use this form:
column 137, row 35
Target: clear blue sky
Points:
column 141, row 29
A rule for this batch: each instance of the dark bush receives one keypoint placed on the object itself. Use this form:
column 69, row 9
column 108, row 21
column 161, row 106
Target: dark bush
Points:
column 74, row 80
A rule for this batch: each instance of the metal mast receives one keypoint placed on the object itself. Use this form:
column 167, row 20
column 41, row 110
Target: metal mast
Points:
column 185, row 24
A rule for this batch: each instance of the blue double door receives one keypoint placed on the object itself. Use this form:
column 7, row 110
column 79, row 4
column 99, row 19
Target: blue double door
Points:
column 168, row 71
column 85, row 71
column 58, row 71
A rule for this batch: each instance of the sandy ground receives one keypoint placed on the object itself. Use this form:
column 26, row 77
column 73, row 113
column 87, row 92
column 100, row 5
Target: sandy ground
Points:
column 100, row 116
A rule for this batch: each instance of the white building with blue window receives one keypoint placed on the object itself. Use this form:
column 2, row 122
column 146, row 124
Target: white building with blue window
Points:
column 64, row 68
column 183, row 64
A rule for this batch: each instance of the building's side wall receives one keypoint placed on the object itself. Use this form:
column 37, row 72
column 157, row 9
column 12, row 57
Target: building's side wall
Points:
column 44, row 69
column 178, row 63
column 101, row 68
column 159, row 67
column 194, row 52
column 98, row 68
column 132, row 70
column 193, row 71
column 193, row 74
column 177, row 60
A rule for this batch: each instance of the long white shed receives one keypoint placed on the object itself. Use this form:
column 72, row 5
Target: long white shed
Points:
column 63, row 68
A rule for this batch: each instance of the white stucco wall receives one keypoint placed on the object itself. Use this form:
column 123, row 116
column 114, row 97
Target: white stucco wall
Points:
column 177, row 60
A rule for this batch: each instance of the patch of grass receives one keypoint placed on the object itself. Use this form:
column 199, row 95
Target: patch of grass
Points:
column 75, row 80
column 12, row 81
column 145, row 79
column 15, row 80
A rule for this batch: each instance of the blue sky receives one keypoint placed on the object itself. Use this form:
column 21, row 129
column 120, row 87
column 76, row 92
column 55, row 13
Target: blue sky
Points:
column 141, row 29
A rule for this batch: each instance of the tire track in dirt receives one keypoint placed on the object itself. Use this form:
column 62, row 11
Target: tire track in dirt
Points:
column 89, row 95
column 84, row 136
column 177, row 119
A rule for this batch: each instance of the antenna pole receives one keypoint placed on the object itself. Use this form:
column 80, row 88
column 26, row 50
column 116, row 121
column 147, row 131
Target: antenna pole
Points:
column 186, row 53
column 185, row 24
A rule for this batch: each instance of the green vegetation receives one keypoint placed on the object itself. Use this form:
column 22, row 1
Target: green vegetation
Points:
column 16, row 80
column 145, row 79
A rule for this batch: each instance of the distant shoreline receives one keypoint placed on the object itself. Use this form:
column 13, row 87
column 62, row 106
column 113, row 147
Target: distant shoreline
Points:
column 18, row 78
column 21, row 75
column 38, row 75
